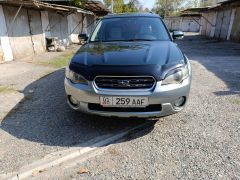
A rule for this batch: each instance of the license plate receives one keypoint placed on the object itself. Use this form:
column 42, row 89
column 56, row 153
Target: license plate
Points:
column 124, row 101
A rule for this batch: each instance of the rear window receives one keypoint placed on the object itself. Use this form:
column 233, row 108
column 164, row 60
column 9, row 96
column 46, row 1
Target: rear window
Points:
column 131, row 28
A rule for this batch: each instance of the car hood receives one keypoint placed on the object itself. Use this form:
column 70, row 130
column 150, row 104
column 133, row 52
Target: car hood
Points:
column 153, row 58
column 128, row 53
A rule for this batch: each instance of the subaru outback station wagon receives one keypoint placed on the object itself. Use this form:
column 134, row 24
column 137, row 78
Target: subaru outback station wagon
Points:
column 129, row 67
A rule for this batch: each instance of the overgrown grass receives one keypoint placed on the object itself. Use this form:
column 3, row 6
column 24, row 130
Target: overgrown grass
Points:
column 6, row 89
column 236, row 101
column 58, row 62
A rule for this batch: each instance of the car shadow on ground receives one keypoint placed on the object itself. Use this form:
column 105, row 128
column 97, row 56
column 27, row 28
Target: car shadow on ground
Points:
column 219, row 57
column 43, row 116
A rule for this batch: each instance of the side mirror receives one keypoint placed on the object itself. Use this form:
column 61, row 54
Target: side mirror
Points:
column 177, row 35
column 83, row 37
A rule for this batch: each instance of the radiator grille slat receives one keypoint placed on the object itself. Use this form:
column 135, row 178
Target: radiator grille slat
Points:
column 107, row 82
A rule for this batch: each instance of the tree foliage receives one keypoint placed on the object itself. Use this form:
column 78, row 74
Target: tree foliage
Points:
column 133, row 6
column 173, row 7
column 107, row 3
column 167, row 7
column 192, row 3
column 162, row 7
column 120, row 7
column 77, row 3
column 207, row 3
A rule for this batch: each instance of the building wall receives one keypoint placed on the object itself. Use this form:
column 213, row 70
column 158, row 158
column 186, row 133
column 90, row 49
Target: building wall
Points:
column 80, row 23
column 75, row 26
column 45, row 25
column 190, row 25
column 172, row 22
column 18, row 31
column 26, row 35
column 208, row 23
column 235, row 33
column 186, row 24
column 36, row 31
column 91, row 22
column 222, row 24
column 5, row 48
column 210, row 28
column 58, row 25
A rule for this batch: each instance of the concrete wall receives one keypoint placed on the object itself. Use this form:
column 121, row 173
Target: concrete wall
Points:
column 186, row 24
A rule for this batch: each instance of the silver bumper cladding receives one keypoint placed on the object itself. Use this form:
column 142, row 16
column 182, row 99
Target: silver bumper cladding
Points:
column 165, row 96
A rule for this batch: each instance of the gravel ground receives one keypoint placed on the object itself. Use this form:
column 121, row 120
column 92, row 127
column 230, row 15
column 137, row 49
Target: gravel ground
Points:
column 43, row 123
column 17, row 75
column 202, row 142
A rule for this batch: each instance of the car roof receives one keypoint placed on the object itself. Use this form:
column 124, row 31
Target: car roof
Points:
column 123, row 15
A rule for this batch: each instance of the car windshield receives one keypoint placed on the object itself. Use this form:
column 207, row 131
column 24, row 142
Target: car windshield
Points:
column 130, row 29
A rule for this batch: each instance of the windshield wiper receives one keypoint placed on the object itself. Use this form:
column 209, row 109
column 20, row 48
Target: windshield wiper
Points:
column 124, row 40
column 114, row 40
column 138, row 39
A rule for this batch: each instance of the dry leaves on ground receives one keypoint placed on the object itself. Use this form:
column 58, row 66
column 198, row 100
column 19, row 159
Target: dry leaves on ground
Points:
column 82, row 171
column 37, row 172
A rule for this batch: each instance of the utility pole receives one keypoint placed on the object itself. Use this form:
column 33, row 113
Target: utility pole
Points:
column 112, row 5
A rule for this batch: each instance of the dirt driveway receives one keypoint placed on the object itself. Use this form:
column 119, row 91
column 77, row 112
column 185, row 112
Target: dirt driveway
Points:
column 202, row 142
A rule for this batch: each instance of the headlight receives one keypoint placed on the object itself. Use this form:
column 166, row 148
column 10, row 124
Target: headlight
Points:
column 176, row 76
column 75, row 78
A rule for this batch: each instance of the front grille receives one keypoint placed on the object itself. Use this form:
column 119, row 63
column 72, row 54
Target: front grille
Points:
column 108, row 82
column 150, row 108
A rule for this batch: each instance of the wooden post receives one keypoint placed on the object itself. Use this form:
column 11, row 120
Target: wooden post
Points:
column 231, row 23
column 112, row 4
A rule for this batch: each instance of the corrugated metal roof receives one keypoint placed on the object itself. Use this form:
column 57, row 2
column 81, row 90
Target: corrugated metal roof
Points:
column 91, row 5
column 220, row 5
column 97, row 7
column 44, row 6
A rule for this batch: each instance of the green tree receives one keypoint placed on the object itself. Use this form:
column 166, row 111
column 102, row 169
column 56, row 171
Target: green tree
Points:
column 167, row 7
column 118, row 5
column 207, row 3
column 78, row 3
column 191, row 4
column 147, row 10
column 107, row 3
column 133, row 6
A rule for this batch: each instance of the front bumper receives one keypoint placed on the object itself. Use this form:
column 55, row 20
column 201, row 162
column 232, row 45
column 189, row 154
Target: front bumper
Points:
column 165, row 96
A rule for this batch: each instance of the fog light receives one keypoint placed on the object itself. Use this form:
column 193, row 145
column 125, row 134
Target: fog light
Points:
column 180, row 102
column 73, row 101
